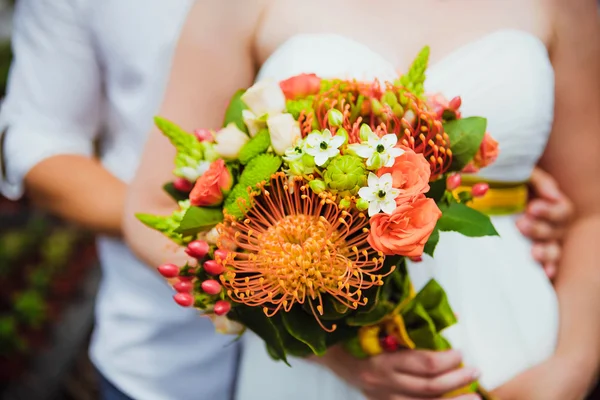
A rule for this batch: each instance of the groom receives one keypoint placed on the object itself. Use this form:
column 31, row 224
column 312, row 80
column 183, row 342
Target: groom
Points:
column 87, row 79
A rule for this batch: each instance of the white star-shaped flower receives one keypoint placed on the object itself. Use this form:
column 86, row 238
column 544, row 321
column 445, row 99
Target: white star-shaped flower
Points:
column 379, row 151
column 323, row 146
column 379, row 193
column 191, row 173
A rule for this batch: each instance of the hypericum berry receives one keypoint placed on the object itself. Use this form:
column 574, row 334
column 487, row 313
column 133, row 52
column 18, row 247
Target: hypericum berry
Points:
column 197, row 249
column 222, row 307
column 183, row 185
column 389, row 344
column 168, row 270
column 453, row 181
column 211, row 287
column 416, row 259
column 220, row 254
column 455, row 103
column 204, row 135
column 184, row 299
column 212, row 267
column 479, row 189
column 183, row 286
column 186, row 278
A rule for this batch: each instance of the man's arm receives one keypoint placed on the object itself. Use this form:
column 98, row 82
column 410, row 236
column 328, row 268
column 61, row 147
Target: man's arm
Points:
column 51, row 117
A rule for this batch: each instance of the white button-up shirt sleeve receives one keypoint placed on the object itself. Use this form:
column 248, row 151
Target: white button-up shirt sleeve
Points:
column 54, row 91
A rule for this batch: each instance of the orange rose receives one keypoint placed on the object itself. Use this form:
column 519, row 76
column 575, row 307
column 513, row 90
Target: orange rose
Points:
column 406, row 230
column 410, row 174
column 300, row 86
column 486, row 155
column 208, row 190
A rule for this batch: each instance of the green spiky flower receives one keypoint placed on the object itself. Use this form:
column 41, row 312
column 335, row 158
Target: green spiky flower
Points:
column 167, row 224
column 414, row 79
column 345, row 175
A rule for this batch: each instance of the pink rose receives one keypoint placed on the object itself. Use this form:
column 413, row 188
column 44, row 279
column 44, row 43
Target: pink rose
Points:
column 410, row 174
column 208, row 190
column 406, row 230
column 300, row 86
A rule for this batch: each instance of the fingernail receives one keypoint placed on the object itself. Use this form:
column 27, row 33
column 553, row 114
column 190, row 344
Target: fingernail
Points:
column 537, row 252
column 524, row 224
column 474, row 373
column 536, row 209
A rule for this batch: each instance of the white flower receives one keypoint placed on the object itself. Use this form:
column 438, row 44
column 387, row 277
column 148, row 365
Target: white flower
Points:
column 224, row 325
column 230, row 140
column 264, row 97
column 253, row 123
column 293, row 153
column 379, row 193
column 284, row 131
column 191, row 173
column 323, row 146
column 379, row 152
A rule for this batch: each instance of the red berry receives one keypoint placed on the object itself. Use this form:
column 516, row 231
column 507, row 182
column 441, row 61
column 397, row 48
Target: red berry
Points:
column 222, row 307
column 453, row 181
column 186, row 278
column 168, row 270
column 389, row 344
column 183, row 185
column 183, row 286
column 220, row 254
column 455, row 103
column 197, row 249
column 184, row 299
column 204, row 135
column 212, row 267
column 211, row 287
column 416, row 259
column 479, row 189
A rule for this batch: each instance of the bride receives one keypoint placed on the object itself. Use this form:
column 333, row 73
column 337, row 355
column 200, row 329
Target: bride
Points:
column 533, row 73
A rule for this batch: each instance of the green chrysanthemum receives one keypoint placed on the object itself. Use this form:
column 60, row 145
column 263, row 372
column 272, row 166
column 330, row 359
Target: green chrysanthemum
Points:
column 345, row 175
column 257, row 145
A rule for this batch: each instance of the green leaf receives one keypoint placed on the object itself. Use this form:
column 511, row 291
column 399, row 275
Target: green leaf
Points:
column 257, row 145
column 432, row 242
column 466, row 135
column 234, row 111
column 460, row 218
column 199, row 219
column 174, row 193
column 381, row 310
column 437, row 189
column 256, row 320
column 305, row 328
column 333, row 310
column 434, row 299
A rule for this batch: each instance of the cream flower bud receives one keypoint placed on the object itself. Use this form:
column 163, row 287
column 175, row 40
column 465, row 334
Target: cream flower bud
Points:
column 284, row 131
column 253, row 123
column 224, row 325
column 230, row 140
column 265, row 97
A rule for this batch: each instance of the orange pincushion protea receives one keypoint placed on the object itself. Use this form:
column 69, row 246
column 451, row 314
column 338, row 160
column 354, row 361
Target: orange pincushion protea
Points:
column 295, row 247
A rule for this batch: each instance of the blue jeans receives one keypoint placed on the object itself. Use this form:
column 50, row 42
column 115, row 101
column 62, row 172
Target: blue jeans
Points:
column 108, row 391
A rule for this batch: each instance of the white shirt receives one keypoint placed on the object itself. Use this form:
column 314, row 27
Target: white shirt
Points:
column 85, row 66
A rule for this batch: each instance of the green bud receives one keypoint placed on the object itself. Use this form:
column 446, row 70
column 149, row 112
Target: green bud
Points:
column 398, row 110
column 345, row 175
column 365, row 132
column 375, row 162
column 390, row 98
column 210, row 153
column 317, row 186
column 376, row 107
column 308, row 160
column 344, row 133
column 296, row 168
column 362, row 204
column 335, row 117
column 345, row 203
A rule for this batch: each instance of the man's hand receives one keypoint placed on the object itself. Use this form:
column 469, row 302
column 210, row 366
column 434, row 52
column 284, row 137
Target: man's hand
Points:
column 403, row 375
column 547, row 215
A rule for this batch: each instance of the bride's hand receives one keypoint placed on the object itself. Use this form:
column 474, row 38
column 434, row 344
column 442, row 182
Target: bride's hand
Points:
column 547, row 215
column 404, row 375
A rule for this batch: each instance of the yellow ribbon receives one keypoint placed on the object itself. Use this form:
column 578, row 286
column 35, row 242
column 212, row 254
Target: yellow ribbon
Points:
column 502, row 198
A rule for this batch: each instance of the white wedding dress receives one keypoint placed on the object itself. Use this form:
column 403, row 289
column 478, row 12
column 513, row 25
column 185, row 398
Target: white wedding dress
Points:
column 508, row 311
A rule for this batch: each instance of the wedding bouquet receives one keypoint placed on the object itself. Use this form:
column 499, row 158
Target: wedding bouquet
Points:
column 302, row 209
